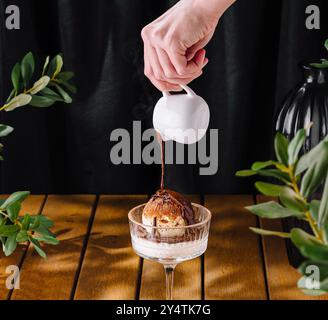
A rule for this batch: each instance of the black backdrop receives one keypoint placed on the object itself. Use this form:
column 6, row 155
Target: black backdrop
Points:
column 65, row 149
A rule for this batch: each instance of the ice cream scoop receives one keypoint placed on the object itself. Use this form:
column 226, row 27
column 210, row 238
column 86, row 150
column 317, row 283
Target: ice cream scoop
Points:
column 169, row 209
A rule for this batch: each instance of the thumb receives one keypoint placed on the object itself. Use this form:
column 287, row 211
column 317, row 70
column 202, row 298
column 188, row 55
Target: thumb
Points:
column 199, row 60
column 191, row 52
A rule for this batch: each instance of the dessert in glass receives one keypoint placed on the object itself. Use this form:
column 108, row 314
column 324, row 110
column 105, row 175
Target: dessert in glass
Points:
column 169, row 229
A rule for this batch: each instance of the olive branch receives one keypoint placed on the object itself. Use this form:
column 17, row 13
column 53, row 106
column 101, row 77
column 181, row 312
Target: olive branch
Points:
column 51, row 87
column 300, row 178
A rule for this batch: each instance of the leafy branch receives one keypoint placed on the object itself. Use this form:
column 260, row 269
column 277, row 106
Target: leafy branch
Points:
column 39, row 94
column 51, row 87
column 15, row 229
column 300, row 178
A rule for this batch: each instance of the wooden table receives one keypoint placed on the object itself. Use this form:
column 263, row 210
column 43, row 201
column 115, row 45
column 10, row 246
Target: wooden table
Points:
column 94, row 259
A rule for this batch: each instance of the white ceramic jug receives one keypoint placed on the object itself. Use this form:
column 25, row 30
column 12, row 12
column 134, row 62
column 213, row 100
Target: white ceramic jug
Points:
column 183, row 118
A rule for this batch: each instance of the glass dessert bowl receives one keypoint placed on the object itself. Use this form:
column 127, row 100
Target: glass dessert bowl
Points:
column 169, row 241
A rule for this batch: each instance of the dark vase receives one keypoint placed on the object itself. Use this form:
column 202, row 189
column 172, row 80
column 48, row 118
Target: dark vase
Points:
column 308, row 102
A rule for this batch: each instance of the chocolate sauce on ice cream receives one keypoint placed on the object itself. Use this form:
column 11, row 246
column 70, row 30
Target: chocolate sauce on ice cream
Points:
column 166, row 207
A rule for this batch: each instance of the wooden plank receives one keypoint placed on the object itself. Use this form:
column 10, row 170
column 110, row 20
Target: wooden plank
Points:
column 110, row 268
column 281, row 276
column 31, row 205
column 187, row 278
column 233, row 263
column 54, row 278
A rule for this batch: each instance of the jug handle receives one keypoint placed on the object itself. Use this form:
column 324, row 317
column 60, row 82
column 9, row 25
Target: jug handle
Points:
column 189, row 91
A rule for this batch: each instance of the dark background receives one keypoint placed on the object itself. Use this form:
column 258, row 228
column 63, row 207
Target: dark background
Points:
column 65, row 149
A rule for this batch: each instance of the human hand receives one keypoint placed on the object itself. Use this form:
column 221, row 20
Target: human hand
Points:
column 174, row 43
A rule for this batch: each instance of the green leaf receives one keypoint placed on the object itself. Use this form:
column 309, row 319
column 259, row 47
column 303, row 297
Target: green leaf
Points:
column 64, row 94
column 326, row 44
column 54, row 65
column 47, row 239
column 8, row 230
column 269, row 189
column 315, row 175
column 261, row 165
column 15, row 77
column 35, row 222
column 273, row 210
column 270, row 233
column 295, row 146
column 245, row 173
column 5, row 130
column 37, row 247
column 68, row 86
column 51, row 94
column 22, row 236
column 314, row 209
column 13, row 210
column 291, row 200
column 27, row 68
column 274, row 173
column 59, row 65
column 26, row 222
column 18, row 196
column 46, row 63
column 323, row 210
column 12, row 93
column 311, row 157
column 3, row 242
column 309, row 246
column 42, row 101
column 46, row 222
column 10, row 245
column 40, row 225
column 320, row 65
column 65, row 75
column 43, row 231
column 281, row 148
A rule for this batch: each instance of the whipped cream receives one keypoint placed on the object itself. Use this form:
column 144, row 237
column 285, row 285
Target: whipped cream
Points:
column 179, row 251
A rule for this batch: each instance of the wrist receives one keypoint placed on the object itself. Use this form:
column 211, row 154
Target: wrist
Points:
column 213, row 8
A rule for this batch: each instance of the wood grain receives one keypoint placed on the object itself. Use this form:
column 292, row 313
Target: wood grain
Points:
column 31, row 205
column 110, row 268
column 187, row 278
column 233, row 263
column 54, row 278
column 282, row 277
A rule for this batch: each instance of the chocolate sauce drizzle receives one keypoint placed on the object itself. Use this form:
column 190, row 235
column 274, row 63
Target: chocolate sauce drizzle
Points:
column 163, row 163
